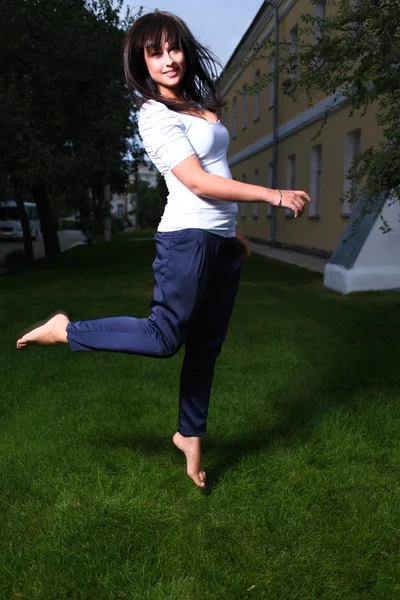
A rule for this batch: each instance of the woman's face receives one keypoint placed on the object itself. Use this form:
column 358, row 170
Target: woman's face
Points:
column 167, row 67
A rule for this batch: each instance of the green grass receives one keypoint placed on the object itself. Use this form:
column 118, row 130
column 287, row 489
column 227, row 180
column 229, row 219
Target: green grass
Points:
column 302, row 454
column 138, row 234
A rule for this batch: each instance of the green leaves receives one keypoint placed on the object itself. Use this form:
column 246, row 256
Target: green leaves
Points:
column 65, row 114
column 356, row 54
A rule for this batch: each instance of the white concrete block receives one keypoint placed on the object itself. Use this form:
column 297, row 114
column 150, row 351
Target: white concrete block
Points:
column 361, row 279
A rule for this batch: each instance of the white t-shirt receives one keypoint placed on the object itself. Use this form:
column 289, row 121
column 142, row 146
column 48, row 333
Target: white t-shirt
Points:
column 169, row 138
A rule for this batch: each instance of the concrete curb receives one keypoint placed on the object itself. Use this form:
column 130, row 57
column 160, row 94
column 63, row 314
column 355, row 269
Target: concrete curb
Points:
column 304, row 261
column 76, row 244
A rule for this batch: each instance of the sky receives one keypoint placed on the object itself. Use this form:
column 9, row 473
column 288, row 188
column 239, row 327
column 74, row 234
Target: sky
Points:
column 217, row 24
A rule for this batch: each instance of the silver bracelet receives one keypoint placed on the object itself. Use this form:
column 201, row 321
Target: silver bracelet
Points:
column 280, row 200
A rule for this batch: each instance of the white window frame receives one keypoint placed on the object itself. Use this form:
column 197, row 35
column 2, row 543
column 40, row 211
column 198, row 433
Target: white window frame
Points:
column 352, row 147
column 319, row 11
column 256, row 205
column 243, row 211
column 257, row 103
column 353, row 5
column 270, row 182
column 294, row 38
column 244, row 106
column 234, row 117
column 290, row 179
column 314, row 209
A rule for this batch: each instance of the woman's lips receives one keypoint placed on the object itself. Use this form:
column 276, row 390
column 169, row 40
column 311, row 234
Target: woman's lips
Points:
column 171, row 74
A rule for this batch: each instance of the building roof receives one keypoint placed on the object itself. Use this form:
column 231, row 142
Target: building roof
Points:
column 262, row 11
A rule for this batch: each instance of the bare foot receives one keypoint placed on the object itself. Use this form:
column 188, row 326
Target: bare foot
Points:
column 191, row 448
column 51, row 332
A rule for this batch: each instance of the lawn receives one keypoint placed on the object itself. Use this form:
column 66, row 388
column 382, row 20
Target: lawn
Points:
column 302, row 453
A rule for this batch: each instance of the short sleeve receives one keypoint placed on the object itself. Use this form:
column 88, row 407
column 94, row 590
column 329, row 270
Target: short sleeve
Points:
column 162, row 134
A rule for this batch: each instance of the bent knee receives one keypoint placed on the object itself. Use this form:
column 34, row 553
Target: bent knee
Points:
column 169, row 347
column 166, row 343
column 169, row 351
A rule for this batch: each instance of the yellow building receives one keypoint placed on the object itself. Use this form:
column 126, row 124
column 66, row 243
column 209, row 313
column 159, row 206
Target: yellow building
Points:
column 318, row 166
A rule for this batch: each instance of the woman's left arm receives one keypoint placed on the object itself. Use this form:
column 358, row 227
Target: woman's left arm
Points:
column 244, row 244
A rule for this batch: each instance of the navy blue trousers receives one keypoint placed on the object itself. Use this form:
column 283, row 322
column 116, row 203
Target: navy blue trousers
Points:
column 196, row 280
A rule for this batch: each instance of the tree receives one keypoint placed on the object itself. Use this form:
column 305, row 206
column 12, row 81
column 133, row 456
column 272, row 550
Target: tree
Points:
column 65, row 114
column 355, row 53
column 150, row 202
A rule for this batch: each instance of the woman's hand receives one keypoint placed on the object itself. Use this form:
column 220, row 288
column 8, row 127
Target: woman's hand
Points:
column 244, row 246
column 293, row 199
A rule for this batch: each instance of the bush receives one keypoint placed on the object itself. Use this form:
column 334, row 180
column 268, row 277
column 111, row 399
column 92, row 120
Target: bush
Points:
column 71, row 224
column 14, row 259
column 139, row 234
column 150, row 204
column 117, row 225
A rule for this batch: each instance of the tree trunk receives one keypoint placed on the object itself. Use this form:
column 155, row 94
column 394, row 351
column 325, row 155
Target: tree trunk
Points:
column 47, row 221
column 19, row 200
column 98, row 208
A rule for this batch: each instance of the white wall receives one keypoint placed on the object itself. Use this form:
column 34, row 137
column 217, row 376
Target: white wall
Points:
column 377, row 266
column 383, row 249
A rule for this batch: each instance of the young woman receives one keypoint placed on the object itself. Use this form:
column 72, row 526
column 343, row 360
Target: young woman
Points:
column 198, row 252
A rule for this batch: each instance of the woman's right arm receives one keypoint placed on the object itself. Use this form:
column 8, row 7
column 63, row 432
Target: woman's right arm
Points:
column 191, row 173
column 164, row 139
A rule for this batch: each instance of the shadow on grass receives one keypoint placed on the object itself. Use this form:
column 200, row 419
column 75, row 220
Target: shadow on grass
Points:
column 365, row 360
column 363, row 357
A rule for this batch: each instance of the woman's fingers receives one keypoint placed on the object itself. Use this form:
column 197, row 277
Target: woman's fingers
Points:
column 295, row 200
column 303, row 195
column 297, row 205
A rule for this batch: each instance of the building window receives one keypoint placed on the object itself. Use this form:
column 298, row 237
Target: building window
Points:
column 314, row 209
column 270, row 184
column 256, row 205
column 243, row 213
column 120, row 210
column 352, row 146
column 244, row 107
column 320, row 12
column 234, row 117
column 271, row 85
column 294, row 36
column 256, row 96
column 290, row 179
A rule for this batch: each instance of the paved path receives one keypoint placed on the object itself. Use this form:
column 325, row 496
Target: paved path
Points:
column 67, row 238
column 306, row 261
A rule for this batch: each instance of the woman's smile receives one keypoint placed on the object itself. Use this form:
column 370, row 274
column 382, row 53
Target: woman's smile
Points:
column 172, row 74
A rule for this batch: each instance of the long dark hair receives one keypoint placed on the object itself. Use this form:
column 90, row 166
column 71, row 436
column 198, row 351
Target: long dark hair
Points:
column 152, row 31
